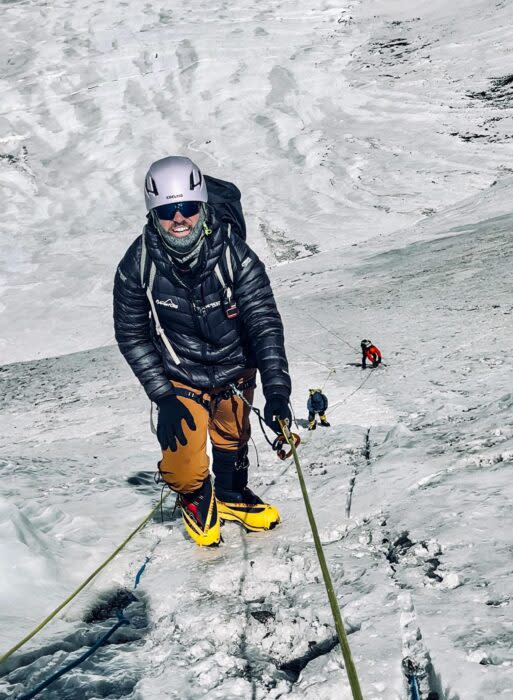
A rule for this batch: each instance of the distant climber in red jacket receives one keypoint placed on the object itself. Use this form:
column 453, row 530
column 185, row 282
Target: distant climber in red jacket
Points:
column 370, row 352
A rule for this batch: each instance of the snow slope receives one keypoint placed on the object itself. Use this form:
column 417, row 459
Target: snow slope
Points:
column 355, row 120
column 386, row 132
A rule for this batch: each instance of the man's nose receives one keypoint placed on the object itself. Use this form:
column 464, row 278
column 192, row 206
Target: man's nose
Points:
column 178, row 217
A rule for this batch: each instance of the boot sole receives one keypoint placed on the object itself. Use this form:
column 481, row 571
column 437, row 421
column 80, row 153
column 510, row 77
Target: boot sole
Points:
column 247, row 527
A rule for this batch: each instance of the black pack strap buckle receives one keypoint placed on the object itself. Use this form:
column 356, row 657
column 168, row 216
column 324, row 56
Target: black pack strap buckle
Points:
column 230, row 309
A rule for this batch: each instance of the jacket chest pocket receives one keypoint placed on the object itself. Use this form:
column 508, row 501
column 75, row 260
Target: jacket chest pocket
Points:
column 208, row 316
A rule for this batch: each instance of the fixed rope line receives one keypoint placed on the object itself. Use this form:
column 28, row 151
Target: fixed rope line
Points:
column 332, row 371
column 358, row 387
column 332, row 332
column 312, row 358
column 337, row 616
column 65, row 602
column 343, row 401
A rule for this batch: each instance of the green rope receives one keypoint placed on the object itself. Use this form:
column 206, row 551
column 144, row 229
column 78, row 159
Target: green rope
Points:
column 335, row 610
column 84, row 584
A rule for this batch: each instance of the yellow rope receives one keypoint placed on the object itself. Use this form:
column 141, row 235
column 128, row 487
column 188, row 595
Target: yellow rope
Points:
column 335, row 610
column 84, row 584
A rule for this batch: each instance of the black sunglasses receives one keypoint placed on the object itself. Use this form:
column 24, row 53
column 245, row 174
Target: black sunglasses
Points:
column 166, row 212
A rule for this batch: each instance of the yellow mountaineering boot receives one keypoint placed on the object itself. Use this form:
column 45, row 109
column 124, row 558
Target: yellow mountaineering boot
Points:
column 200, row 515
column 248, row 509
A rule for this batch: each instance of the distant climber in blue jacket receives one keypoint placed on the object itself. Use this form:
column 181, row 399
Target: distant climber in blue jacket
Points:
column 317, row 403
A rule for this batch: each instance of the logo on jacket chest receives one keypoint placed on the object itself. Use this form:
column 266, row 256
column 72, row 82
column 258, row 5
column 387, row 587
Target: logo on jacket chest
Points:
column 167, row 302
column 206, row 307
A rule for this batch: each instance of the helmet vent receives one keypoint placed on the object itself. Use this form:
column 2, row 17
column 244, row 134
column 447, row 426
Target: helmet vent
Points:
column 151, row 187
column 193, row 184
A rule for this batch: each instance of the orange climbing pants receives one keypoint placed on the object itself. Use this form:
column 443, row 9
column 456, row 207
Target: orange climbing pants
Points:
column 224, row 417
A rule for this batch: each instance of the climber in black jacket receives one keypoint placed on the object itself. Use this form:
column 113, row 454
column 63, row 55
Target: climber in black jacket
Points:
column 195, row 318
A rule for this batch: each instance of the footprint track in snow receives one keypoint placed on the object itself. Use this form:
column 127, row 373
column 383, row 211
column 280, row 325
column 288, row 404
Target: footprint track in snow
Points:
column 237, row 617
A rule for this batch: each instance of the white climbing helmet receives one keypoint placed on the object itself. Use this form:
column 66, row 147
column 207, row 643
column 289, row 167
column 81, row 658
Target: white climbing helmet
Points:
column 174, row 179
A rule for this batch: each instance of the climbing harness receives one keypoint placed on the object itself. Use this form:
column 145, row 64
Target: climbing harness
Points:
column 237, row 389
column 337, row 616
column 201, row 397
column 198, row 396
column 255, row 410
column 65, row 602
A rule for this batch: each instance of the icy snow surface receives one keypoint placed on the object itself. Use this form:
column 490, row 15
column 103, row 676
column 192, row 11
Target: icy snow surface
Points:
column 372, row 142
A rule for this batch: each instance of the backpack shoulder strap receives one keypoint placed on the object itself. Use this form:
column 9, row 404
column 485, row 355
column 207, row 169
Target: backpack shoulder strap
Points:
column 143, row 265
column 230, row 261
column 147, row 284
column 147, row 280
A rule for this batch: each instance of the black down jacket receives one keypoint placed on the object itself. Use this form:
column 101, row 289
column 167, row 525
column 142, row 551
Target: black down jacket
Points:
column 213, row 349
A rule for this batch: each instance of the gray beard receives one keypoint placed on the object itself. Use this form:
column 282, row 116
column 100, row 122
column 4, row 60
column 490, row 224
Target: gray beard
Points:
column 184, row 250
column 189, row 259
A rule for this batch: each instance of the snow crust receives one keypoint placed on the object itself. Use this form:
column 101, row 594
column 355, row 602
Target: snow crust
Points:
column 372, row 144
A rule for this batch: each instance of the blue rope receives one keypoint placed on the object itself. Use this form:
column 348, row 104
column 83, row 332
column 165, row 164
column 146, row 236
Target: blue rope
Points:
column 140, row 573
column 32, row 694
column 122, row 620
column 414, row 687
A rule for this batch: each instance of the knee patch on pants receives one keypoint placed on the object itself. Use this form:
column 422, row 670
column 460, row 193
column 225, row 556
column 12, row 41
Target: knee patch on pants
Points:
column 180, row 479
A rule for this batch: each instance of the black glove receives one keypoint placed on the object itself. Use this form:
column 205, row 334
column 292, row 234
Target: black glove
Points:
column 277, row 405
column 169, row 427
